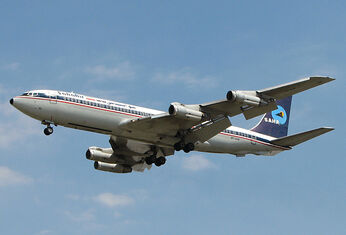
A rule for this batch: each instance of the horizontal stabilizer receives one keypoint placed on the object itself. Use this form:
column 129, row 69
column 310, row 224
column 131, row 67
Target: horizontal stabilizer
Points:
column 299, row 138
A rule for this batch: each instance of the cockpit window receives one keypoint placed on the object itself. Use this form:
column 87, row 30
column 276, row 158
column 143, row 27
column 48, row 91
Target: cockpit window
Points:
column 30, row 94
column 25, row 94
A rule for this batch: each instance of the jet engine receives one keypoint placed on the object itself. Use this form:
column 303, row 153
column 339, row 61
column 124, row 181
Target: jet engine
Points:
column 116, row 168
column 183, row 112
column 99, row 154
column 241, row 97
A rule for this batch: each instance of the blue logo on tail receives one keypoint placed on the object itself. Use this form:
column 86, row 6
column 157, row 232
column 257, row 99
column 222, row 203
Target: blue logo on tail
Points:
column 280, row 115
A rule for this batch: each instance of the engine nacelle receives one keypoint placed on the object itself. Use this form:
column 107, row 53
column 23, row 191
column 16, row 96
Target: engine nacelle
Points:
column 240, row 97
column 116, row 168
column 99, row 154
column 182, row 112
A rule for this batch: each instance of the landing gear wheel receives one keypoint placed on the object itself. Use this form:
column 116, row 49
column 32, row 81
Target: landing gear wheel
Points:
column 160, row 161
column 48, row 130
column 189, row 147
column 150, row 160
column 178, row 146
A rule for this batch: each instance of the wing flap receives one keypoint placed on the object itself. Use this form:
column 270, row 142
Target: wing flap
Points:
column 208, row 130
column 292, row 140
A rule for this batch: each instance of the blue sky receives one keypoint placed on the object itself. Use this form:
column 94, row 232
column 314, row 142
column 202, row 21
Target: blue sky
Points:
column 152, row 53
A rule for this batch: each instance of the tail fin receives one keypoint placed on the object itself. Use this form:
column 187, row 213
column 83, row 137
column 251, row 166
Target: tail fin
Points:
column 275, row 123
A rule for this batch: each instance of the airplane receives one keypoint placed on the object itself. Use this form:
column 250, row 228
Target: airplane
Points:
column 140, row 137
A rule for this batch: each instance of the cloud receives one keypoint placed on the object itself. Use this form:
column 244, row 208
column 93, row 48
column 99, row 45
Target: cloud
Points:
column 80, row 217
column 122, row 71
column 197, row 163
column 10, row 177
column 12, row 66
column 184, row 76
column 113, row 200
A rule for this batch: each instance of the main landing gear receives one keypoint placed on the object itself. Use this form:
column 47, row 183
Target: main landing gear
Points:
column 152, row 159
column 186, row 147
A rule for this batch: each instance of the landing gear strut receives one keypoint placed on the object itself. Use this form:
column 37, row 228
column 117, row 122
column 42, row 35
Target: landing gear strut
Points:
column 48, row 130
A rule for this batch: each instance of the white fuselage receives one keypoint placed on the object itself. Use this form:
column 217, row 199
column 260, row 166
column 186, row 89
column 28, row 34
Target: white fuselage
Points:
column 104, row 116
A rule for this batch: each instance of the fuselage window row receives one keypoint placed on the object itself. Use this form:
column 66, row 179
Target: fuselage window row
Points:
column 42, row 95
column 240, row 134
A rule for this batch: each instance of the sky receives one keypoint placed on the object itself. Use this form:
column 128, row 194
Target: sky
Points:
column 152, row 53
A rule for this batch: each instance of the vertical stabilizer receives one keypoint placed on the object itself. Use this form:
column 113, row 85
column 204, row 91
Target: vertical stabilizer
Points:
column 275, row 123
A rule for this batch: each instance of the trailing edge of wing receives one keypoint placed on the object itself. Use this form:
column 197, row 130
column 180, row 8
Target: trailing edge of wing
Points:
column 292, row 140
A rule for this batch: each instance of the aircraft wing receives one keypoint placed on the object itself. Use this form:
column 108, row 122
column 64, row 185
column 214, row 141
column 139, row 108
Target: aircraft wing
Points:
column 291, row 88
column 182, row 120
column 254, row 103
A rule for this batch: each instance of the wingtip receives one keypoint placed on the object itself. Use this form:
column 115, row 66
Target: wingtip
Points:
column 322, row 79
column 328, row 128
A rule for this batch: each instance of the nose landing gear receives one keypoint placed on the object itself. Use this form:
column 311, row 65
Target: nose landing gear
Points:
column 48, row 130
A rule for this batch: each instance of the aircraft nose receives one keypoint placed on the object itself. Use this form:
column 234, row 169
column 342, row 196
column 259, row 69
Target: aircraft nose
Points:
column 11, row 101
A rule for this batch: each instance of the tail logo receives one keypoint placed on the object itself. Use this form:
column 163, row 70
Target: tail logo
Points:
column 279, row 115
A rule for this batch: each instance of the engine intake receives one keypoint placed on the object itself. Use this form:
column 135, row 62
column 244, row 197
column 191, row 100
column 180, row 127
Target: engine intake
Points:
column 240, row 97
column 183, row 112
column 116, row 168
column 98, row 154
